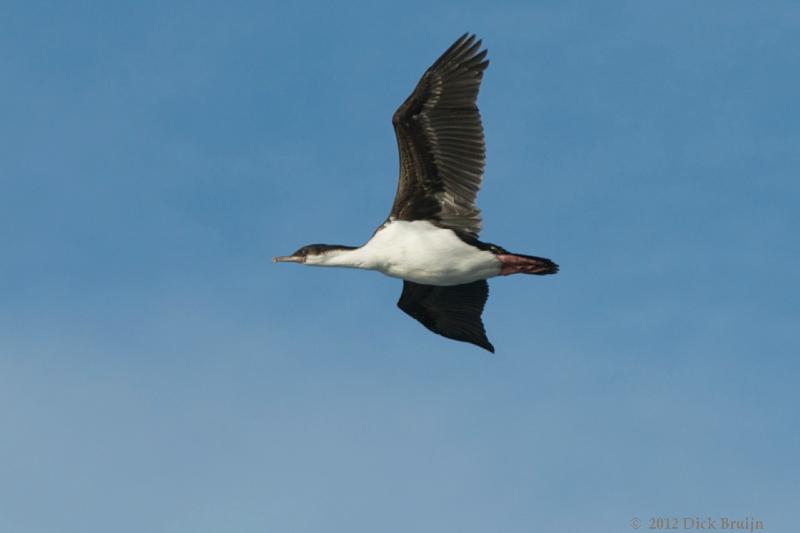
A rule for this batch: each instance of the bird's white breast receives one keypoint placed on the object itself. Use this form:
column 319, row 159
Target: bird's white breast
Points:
column 423, row 253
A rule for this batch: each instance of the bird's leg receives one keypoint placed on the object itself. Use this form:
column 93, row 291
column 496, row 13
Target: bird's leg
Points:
column 525, row 264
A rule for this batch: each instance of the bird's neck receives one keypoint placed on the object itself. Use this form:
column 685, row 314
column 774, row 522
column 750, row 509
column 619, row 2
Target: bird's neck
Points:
column 355, row 258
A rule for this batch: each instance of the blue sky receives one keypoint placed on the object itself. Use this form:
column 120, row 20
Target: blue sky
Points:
column 158, row 373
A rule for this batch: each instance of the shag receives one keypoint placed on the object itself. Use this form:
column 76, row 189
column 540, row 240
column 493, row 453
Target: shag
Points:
column 430, row 239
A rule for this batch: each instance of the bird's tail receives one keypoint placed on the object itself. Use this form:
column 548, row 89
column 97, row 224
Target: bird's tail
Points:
column 526, row 264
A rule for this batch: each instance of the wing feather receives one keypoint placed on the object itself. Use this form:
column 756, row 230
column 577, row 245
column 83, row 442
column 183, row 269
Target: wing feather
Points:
column 440, row 141
column 453, row 312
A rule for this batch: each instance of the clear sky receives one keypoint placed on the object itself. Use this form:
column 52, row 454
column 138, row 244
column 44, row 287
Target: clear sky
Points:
column 159, row 374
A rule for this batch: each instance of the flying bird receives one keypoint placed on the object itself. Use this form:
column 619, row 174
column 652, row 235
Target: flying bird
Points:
column 430, row 239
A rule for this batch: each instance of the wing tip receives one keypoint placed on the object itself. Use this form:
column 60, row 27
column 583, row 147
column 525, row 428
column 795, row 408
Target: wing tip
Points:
column 464, row 49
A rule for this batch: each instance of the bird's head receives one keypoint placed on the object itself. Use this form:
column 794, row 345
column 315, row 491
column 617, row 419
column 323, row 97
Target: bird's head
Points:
column 314, row 254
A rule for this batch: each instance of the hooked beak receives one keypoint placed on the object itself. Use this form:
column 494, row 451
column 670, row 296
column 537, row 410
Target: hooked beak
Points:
column 288, row 259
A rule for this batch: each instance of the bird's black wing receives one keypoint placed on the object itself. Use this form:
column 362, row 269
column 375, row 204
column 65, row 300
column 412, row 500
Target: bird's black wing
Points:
column 453, row 312
column 440, row 140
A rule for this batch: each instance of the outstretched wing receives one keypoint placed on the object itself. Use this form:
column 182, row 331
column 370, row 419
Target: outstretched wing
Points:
column 440, row 140
column 453, row 312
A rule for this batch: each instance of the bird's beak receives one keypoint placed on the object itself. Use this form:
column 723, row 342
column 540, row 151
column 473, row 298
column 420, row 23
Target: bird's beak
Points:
column 287, row 259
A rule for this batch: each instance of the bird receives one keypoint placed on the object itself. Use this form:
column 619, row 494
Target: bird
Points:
column 430, row 238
